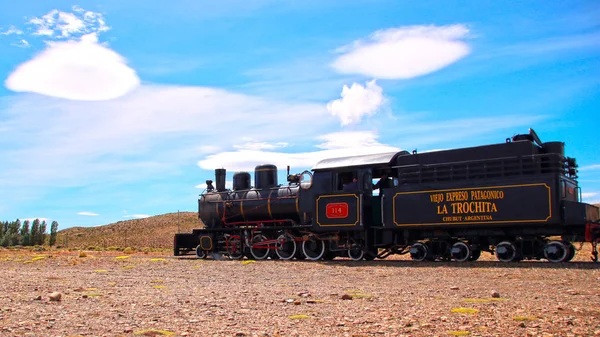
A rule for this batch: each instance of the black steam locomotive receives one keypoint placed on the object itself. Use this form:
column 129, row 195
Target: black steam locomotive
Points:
column 518, row 200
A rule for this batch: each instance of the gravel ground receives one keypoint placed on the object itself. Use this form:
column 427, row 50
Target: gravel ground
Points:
column 109, row 295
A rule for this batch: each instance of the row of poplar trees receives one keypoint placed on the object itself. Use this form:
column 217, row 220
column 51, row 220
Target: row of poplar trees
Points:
column 26, row 234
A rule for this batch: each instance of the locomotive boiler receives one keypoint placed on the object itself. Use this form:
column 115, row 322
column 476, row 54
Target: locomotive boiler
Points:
column 518, row 199
column 266, row 202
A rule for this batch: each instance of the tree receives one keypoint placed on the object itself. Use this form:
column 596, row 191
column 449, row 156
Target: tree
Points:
column 4, row 236
column 35, row 232
column 3, row 227
column 25, row 235
column 53, row 231
column 42, row 237
column 13, row 233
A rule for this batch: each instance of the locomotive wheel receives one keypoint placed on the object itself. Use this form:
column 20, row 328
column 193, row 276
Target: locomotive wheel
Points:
column 313, row 249
column 506, row 251
column 287, row 248
column 461, row 251
column 571, row 252
column 259, row 253
column 234, row 249
column 419, row 251
column 556, row 251
column 200, row 253
column 356, row 253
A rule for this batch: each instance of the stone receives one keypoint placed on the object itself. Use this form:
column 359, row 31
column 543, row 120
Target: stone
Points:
column 55, row 296
column 346, row 297
column 495, row 294
column 454, row 288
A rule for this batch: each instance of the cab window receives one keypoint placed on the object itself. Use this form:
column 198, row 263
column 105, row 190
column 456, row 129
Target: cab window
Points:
column 343, row 178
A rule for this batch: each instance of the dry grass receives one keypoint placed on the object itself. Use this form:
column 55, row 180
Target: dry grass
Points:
column 153, row 232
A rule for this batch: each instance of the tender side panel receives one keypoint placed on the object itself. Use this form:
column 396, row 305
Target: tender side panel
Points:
column 490, row 204
column 337, row 211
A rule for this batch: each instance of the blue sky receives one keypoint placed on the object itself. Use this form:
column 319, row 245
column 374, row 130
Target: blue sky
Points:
column 118, row 110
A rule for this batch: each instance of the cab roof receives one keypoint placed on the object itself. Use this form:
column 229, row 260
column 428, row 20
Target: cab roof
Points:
column 378, row 159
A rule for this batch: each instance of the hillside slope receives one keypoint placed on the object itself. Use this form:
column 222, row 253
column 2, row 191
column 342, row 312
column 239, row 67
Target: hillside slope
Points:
column 153, row 232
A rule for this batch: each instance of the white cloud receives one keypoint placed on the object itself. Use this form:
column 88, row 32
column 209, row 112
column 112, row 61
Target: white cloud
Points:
column 12, row 30
column 136, row 216
column 406, row 52
column 260, row 145
column 76, row 70
column 21, row 44
column 74, row 65
column 339, row 144
column 64, row 25
column 87, row 214
column 356, row 102
column 590, row 167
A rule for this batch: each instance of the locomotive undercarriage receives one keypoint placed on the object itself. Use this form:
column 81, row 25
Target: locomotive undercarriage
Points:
column 462, row 245
column 506, row 250
column 261, row 243
column 286, row 243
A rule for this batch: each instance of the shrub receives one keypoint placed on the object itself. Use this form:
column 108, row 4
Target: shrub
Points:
column 129, row 250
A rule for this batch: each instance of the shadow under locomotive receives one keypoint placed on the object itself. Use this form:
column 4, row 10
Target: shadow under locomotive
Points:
column 519, row 200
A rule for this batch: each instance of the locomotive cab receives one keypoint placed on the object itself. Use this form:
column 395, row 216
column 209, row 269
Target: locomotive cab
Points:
column 342, row 197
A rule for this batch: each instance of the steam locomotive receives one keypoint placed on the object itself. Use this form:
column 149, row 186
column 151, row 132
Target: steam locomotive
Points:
column 518, row 200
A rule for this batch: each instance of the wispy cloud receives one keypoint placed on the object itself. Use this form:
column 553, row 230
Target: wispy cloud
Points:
column 406, row 52
column 250, row 145
column 21, row 44
column 67, row 25
column 590, row 167
column 11, row 30
column 88, row 214
column 136, row 216
column 549, row 45
column 336, row 144
column 145, row 133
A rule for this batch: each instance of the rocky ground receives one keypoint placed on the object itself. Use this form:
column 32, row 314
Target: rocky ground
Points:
column 106, row 294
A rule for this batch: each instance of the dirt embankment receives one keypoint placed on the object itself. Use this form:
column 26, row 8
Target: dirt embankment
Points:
column 152, row 232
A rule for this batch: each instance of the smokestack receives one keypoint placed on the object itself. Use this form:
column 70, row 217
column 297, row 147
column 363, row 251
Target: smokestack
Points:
column 220, row 179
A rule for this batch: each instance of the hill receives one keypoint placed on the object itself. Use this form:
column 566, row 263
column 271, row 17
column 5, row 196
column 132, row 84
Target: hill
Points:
column 152, row 232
